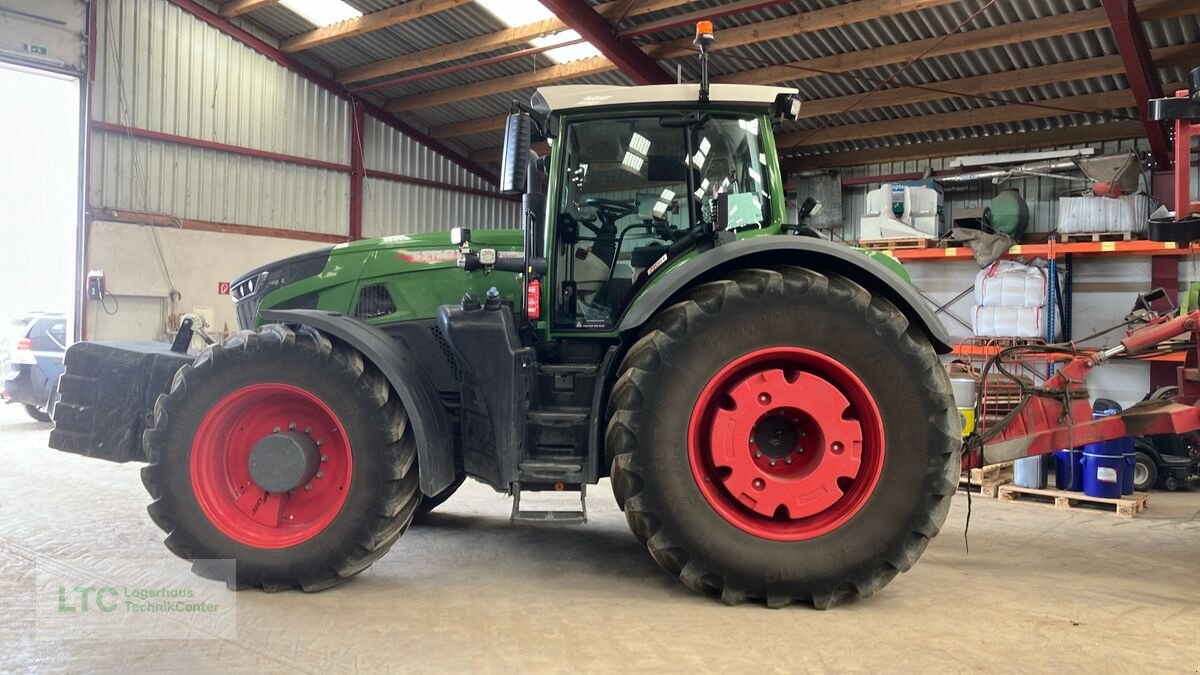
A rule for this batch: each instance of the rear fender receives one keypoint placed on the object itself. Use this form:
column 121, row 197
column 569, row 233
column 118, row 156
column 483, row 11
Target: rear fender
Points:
column 811, row 252
column 435, row 449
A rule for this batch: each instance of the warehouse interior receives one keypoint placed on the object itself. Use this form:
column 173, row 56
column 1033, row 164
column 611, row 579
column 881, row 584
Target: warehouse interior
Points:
column 262, row 255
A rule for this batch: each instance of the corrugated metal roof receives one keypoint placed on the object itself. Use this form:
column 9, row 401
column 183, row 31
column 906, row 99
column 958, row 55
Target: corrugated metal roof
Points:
column 470, row 20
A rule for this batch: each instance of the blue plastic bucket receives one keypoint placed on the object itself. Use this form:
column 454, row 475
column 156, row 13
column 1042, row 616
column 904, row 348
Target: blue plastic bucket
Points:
column 1030, row 472
column 1068, row 469
column 1129, row 454
column 1103, row 468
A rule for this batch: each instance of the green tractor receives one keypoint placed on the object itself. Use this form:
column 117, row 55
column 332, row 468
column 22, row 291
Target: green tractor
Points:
column 769, row 406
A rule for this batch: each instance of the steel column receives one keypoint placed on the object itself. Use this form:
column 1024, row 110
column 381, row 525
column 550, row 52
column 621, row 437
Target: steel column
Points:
column 1139, row 71
column 358, row 121
column 594, row 28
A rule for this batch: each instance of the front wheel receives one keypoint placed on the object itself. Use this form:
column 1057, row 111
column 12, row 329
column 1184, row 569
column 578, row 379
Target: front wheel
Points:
column 285, row 452
column 36, row 413
column 784, row 435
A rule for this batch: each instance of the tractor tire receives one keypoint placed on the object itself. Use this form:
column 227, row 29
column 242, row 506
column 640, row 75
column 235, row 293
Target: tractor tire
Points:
column 428, row 504
column 1145, row 472
column 36, row 413
column 353, row 489
column 783, row 435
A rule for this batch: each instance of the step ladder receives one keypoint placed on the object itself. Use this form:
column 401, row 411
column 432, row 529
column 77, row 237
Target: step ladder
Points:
column 545, row 517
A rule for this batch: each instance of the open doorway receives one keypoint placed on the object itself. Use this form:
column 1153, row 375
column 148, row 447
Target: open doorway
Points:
column 39, row 225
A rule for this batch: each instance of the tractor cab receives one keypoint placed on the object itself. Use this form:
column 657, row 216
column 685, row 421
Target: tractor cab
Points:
column 636, row 178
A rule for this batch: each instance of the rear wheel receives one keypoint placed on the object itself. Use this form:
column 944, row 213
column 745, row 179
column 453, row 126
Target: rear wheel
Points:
column 1145, row 472
column 784, row 435
column 36, row 413
column 285, row 452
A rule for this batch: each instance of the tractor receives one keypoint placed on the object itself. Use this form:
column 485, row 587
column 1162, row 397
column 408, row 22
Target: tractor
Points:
column 769, row 405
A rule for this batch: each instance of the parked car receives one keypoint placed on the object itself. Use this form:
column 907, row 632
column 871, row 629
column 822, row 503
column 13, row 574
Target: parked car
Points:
column 35, row 360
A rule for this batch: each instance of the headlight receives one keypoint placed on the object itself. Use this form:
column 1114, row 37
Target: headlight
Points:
column 280, row 273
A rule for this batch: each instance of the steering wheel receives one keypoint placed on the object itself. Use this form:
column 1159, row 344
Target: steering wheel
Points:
column 611, row 210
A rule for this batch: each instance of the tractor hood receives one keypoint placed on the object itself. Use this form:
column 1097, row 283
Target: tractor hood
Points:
column 411, row 252
column 328, row 278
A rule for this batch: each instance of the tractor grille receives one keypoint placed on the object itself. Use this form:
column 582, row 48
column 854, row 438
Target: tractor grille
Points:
column 247, row 311
column 374, row 301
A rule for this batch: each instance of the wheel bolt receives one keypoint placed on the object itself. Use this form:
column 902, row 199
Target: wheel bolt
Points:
column 320, row 474
column 292, row 426
column 759, row 484
column 789, row 460
column 772, row 462
column 308, row 430
column 275, row 430
column 319, row 443
column 324, row 458
column 837, row 448
column 764, row 398
column 757, row 454
column 308, row 487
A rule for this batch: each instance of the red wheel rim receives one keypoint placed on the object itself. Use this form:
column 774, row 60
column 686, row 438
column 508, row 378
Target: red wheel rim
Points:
column 220, row 466
column 786, row 443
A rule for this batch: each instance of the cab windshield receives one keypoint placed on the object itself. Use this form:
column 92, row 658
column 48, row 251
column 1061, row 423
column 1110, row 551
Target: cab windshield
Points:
column 632, row 186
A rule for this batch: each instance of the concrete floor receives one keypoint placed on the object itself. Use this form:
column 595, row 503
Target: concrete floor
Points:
column 1040, row 590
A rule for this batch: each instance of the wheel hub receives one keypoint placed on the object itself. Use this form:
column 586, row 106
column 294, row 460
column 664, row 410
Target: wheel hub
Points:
column 284, row 461
column 786, row 443
column 271, row 465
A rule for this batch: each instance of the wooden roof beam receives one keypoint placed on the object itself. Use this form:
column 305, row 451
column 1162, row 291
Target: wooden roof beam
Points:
column 500, row 85
column 994, row 83
column 493, row 41
column 998, row 114
column 1049, row 138
column 804, row 22
column 998, row 36
column 1178, row 55
column 392, row 16
column 240, row 7
column 597, row 30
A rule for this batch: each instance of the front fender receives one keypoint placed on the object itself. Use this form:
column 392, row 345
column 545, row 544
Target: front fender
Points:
column 435, row 449
column 810, row 252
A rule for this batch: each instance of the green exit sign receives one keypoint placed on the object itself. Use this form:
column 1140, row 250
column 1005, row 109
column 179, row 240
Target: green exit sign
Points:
column 35, row 49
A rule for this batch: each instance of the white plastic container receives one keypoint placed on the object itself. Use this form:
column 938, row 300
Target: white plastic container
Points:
column 1127, row 213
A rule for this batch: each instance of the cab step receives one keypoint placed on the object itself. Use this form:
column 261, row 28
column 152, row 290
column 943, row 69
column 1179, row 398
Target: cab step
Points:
column 545, row 517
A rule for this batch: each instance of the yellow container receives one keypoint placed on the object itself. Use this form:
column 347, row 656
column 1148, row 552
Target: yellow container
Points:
column 968, row 420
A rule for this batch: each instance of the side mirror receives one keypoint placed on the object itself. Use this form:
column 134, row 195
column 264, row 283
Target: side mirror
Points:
column 460, row 236
column 515, row 161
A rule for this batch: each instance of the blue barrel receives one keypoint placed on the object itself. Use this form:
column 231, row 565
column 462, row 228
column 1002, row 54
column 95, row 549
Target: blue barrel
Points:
column 1123, row 447
column 1129, row 453
column 1068, row 469
column 1103, row 465
column 1030, row 472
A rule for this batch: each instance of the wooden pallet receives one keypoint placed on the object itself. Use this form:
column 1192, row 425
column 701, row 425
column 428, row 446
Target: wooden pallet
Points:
column 1126, row 507
column 1098, row 236
column 895, row 244
column 989, row 479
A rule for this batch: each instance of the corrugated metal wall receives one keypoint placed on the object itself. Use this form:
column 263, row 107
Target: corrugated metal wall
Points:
column 392, row 208
column 160, row 69
column 1040, row 193
column 399, row 208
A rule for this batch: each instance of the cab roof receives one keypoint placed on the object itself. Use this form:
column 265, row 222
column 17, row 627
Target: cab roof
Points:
column 577, row 96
